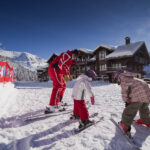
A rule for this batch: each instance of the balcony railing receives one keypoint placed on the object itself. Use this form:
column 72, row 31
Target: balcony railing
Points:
column 115, row 68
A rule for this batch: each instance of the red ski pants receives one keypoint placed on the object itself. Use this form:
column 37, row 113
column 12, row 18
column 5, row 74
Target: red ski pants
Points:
column 80, row 109
column 59, row 86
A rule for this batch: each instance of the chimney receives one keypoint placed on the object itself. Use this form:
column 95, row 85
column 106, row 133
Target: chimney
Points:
column 127, row 40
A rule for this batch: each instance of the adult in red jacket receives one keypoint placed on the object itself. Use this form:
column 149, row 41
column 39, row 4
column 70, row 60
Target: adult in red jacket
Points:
column 59, row 68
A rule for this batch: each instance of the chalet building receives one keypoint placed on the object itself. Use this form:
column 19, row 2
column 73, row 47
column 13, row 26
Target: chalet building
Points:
column 101, row 63
column 83, row 62
column 42, row 73
column 105, row 60
column 131, row 56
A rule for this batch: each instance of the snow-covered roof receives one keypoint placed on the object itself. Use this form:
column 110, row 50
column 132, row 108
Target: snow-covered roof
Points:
column 125, row 50
column 88, row 51
column 104, row 46
column 42, row 67
column 93, row 59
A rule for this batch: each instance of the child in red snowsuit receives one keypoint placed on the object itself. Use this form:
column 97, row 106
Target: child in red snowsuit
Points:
column 59, row 68
column 81, row 88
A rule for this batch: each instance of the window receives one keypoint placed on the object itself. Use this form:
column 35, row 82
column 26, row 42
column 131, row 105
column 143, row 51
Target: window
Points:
column 102, row 55
column 116, row 66
column 103, row 67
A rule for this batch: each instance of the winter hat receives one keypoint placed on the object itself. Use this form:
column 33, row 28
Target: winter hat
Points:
column 91, row 73
column 116, row 74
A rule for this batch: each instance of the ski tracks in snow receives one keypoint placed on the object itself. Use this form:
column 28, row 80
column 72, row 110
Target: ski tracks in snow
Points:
column 57, row 132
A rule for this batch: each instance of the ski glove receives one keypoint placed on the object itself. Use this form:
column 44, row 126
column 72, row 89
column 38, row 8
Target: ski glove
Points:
column 67, row 78
column 92, row 100
column 127, row 103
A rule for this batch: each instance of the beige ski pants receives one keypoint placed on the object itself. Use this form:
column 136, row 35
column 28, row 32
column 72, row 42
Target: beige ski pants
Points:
column 131, row 110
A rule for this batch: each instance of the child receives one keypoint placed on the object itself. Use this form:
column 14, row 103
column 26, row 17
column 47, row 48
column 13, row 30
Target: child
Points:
column 80, row 89
column 136, row 94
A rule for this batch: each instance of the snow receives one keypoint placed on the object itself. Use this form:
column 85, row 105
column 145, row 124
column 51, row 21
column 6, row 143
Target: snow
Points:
column 27, row 60
column 9, row 53
column 104, row 46
column 88, row 51
column 8, row 96
column 56, row 133
column 125, row 50
column 93, row 58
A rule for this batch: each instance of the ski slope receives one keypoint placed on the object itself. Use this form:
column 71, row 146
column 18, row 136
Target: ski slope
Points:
column 56, row 133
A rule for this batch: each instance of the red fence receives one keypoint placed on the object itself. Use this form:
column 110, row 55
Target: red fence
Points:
column 6, row 72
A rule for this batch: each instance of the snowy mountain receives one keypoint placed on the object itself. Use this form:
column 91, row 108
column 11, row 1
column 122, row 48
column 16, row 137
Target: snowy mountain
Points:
column 26, row 60
column 24, row 64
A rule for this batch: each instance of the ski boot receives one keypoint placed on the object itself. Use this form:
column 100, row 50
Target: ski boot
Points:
column 74, row 117
column 63, row 104
column 85, row 123
column 139, row 121
column 49, row 109
column 125, row 129
column 61, row 108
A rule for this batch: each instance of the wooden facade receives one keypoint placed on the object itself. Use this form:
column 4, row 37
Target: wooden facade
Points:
column 105, row 66
column 42, row 73
column 83, row 63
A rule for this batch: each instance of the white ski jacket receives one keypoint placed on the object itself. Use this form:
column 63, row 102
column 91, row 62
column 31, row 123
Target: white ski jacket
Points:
column 82, row 87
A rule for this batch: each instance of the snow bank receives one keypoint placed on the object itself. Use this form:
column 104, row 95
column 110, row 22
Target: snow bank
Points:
column 8, row 94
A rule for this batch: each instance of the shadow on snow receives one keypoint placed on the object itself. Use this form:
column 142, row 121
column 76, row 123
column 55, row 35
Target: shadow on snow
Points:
column 35, row 141
column 15, row 121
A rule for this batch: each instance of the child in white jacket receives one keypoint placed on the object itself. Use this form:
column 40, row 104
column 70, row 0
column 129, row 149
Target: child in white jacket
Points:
column 81, row 88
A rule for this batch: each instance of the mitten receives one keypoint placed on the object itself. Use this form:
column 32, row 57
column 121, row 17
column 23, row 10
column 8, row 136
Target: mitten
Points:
column 67, row 78
column 92, row 100
column 127, row 103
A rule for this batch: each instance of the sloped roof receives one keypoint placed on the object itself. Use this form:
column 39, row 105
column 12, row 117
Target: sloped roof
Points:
column 125, row 50
column 51, row 57
column 87, row 51
column 103, row 46
column 93, row 59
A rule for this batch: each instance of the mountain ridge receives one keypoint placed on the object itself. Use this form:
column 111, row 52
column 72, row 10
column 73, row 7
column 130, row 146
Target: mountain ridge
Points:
column 27, row 60
column 24, row 64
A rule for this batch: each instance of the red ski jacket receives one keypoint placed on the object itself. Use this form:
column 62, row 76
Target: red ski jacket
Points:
column 63, row 62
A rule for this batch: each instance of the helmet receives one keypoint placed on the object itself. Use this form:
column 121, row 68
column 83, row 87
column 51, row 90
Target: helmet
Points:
column 116, row 74
column 91, row 73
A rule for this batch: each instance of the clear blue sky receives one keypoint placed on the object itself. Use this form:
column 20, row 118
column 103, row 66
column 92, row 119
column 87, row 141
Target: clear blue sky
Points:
column 42, row 27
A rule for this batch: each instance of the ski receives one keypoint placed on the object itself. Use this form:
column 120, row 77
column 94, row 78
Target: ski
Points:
column 43, row 115
column 141, row 125
column 91, row 116
column 66, row 104
column 129, row 139
column 76, row 131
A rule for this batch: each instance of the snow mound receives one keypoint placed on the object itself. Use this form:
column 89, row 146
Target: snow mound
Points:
column 8, row 94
